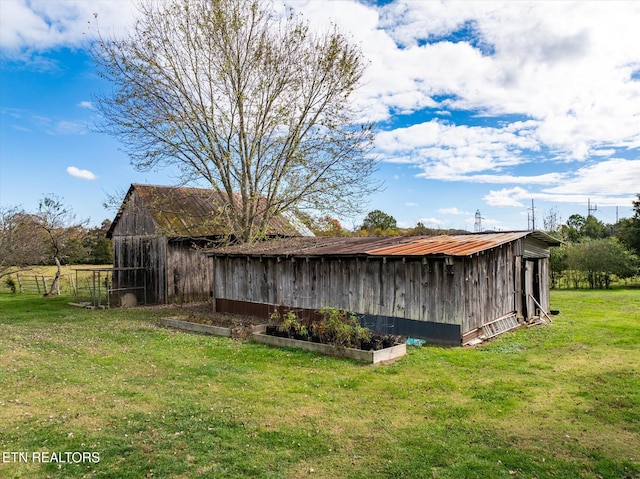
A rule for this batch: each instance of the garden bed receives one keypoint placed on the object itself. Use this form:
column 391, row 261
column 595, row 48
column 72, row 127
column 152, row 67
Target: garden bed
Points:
column 242, row 331
column 195, row 327
column 371, row 356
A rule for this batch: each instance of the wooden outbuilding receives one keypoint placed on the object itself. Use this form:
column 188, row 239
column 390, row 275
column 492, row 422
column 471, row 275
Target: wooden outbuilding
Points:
column 158, row 236
column 444, row 289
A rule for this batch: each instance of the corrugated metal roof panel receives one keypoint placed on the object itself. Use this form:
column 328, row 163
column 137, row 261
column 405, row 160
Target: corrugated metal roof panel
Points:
column 404, row 246
column 458, row 245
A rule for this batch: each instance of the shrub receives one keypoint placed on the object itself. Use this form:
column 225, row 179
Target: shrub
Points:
column 340, row 328
column 11, row 284
column 290, row 324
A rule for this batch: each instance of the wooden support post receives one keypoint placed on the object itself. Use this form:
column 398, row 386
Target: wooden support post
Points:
column 541, row 308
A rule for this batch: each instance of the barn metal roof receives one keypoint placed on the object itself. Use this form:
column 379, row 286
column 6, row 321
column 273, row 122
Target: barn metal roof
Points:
column 404, row 246
column 196, row 212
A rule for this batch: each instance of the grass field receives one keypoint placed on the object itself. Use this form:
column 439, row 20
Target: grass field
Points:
column 75, row 281
column 561, row 401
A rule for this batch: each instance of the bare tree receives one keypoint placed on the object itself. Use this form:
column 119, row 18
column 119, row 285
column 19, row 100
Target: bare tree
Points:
column 552, row 220
column 59, row 225
column 251, row 102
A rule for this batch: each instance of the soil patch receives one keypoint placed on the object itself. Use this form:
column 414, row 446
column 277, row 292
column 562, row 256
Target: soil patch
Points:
column 203, row 313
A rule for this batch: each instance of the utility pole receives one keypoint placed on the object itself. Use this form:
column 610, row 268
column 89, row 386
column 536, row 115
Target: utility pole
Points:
column 533, row 216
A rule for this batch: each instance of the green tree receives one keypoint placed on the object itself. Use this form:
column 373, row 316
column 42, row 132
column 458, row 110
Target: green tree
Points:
column 557, row 263
column 629, row 229
column 256, row 105
column 572, row 231
column 421, row 230
column 378, row 222
column 594, row 228
column 599, row 260
column 99, row 247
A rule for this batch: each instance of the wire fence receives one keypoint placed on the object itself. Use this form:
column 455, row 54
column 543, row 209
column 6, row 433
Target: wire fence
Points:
column 80, row 283
column 41, row 283
column 89, row 285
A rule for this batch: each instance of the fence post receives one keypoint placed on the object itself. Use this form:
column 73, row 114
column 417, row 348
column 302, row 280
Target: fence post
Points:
column 99, row 289
column 93, row 289
column 73, row 284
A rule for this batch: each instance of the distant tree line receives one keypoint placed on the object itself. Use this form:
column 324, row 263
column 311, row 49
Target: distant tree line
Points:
column 50, row 236
column 375, row 223
column 593, row 254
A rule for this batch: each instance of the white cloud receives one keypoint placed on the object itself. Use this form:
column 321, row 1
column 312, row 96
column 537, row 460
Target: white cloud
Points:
column 39, row 25
column 569, row 68
column 82, row 174
column 68, row 127
column 410, row 204
column 613, row 177
column 608, row 183
column 453, row 211
column 507, row 197
column 86, row 104
column 432, row 222
column 453, row 152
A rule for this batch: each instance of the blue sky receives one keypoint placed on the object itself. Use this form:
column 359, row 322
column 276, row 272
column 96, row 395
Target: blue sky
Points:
column 479, row 106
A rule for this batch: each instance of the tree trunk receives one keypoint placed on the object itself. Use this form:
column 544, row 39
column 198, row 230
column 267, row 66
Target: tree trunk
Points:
column 55, row 285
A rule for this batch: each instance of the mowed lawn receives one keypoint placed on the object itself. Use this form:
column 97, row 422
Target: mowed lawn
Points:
column 561, row 401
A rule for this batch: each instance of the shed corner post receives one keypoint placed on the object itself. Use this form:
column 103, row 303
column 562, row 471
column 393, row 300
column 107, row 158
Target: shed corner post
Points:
column 517, row 287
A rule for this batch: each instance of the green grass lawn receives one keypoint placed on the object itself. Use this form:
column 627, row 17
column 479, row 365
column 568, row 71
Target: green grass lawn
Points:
column 561, row 401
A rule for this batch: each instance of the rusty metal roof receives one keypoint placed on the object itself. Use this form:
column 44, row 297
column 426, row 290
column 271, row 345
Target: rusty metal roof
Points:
column 400, row 246
column 193, row 212
column 457, row 245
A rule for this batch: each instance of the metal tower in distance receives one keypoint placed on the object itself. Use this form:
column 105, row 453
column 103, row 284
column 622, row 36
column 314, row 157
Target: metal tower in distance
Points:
column 477, row 227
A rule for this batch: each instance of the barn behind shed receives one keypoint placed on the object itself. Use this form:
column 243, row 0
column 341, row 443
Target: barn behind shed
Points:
column 158, row 236
column 445, row 289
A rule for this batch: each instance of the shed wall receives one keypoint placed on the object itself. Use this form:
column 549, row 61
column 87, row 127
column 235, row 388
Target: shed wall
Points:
column 148, row 252
column 188, row 272
column 490, row 281
column 135, row 219
column 470, row 292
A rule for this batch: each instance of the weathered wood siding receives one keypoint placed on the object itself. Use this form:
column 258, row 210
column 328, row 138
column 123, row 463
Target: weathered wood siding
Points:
column 147, row 252
column 136, row 244
column 469, row 292
column 188, row 272
column 543, row 271
column 175, row 271
column 490, row 285
column 135, row 219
